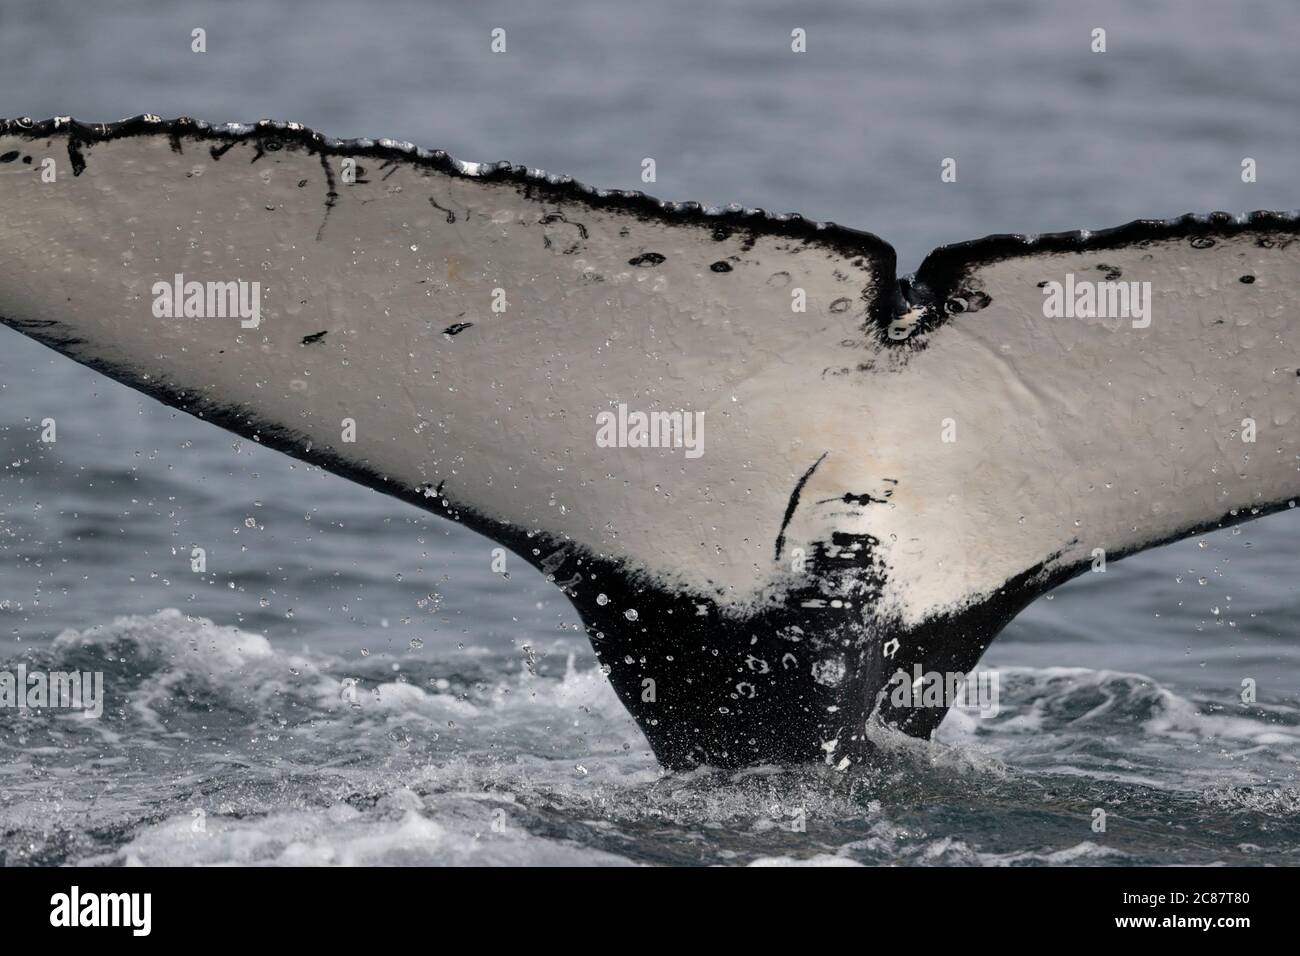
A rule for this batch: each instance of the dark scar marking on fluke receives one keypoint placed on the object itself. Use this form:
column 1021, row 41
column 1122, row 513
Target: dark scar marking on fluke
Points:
column 720, row 266
column 849, row 498
column 75, row 156
column 390, row 172
column 647, row 259
column 967, row 300
column 216, row 152
column 1246, row 280
column 1111, row 273
column 794, row 503
column 174, row 138
column 331, row 194
column 456, row 328
column 451, row 216
column 554, row 217
column 314, row 337
column 551, row 217
column 9, row 157
column 265, row 146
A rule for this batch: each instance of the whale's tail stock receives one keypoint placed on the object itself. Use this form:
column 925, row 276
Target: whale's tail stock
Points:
column 787, row 492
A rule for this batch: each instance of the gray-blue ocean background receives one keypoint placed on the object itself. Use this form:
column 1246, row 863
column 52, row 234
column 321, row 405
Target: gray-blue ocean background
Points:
column 351, row 683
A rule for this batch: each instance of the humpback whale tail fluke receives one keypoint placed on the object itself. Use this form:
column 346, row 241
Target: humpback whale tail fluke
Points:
column 779, row 484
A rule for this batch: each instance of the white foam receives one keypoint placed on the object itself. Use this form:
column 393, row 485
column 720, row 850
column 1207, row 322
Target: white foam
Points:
column 425, row 770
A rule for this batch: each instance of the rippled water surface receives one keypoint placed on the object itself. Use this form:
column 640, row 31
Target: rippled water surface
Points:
column 350, row 683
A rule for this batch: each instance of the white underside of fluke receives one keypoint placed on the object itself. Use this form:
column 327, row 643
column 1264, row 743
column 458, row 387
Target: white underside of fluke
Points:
column 1067, row 434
